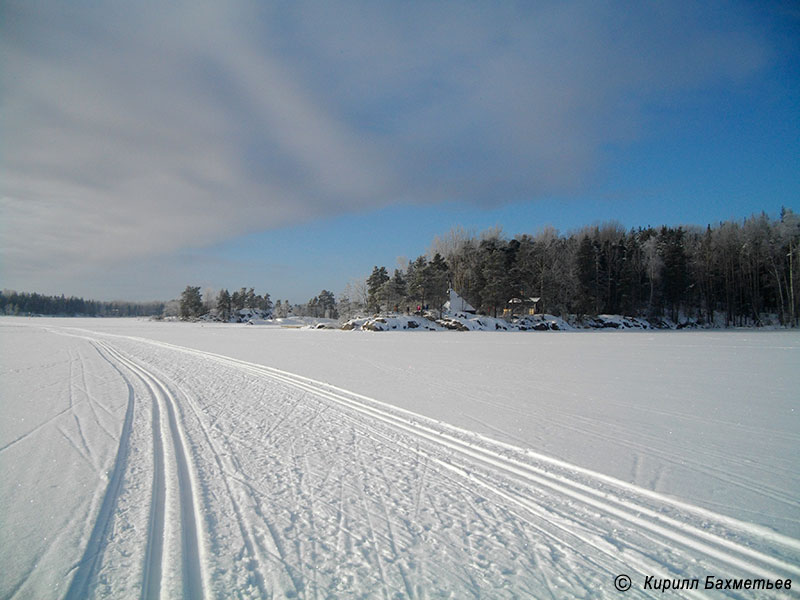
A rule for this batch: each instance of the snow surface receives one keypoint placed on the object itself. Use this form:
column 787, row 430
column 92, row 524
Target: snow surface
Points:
column 141, row 459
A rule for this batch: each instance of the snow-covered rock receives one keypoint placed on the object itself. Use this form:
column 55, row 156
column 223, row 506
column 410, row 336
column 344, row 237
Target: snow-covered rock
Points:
column 251, row 315
column 617, row 322
column 543, row 322
column 463, row 321
column 466, row 322
column 392, row 322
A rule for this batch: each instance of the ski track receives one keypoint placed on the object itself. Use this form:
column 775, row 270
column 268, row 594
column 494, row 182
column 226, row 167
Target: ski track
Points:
column 301, row 489
column 648, row 444
column 167, row 432
column 654, row 521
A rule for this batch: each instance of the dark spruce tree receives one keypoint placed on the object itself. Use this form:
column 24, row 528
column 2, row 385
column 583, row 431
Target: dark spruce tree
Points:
column 375, row 283
column 224, row 306
column 191, row 305
column 436, row 280
column 415, row 281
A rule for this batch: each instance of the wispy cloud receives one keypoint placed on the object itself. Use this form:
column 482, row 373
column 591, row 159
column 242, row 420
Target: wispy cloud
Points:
column 140, row 129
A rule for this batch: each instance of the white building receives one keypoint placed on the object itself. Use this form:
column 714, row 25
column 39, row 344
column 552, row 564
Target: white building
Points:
column 456, row 304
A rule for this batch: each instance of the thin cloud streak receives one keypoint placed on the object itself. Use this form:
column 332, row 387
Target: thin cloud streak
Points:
column 134, row 131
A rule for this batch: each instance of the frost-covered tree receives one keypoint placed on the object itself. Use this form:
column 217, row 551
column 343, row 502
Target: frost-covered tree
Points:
column 355, row 292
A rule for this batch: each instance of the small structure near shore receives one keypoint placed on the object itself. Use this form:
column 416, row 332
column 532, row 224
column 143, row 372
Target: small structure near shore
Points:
column 456, row 304
column 520, row 306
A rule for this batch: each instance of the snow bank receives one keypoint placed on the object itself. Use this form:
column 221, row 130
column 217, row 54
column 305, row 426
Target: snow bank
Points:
column 303, row 323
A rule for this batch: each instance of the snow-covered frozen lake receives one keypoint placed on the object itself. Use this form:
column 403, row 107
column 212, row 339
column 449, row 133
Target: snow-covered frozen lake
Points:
column 146, row 459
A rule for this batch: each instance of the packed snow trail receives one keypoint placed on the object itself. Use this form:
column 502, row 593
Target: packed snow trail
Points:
column 165, row 410
column 233, row 479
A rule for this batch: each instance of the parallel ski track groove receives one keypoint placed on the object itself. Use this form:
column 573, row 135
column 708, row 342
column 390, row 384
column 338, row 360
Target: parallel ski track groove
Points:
column 690, row 537
column 192, row 569
column 154, row 549
column 459, row 476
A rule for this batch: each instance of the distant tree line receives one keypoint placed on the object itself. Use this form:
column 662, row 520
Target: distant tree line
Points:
column 322, row 305
column 224, row 306
column 736, row 272
column 23, row 303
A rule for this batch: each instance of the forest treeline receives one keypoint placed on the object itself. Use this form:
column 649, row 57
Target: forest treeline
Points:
column 23, row 303
column 237, row 306
column 735, row 273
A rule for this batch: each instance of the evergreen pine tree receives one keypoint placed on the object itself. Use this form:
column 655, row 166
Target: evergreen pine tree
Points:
column 436, row 278
column 415, row 281
column 224, row 305
column 191, row 303
column 375, row 283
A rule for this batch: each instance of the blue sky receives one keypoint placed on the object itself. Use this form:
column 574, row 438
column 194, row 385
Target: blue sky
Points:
column 292, row 146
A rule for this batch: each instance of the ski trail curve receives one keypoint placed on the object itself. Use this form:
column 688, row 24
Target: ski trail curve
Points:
column 637, row 514
column 638, row 507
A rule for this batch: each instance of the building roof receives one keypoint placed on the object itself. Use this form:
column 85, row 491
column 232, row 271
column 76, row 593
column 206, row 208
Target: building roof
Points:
column 457, row 304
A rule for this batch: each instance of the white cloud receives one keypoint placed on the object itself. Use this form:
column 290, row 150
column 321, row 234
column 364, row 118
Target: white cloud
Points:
column 132, row 130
